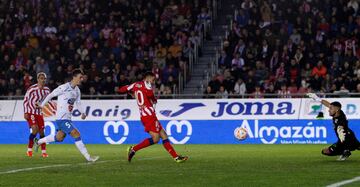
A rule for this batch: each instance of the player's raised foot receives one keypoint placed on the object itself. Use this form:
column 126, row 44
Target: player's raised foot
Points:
column 36, row 145
column 93, row 158
column 181, row 159
column 44, row 155
column 29, row 153
column 344, row 156
column 130, row 153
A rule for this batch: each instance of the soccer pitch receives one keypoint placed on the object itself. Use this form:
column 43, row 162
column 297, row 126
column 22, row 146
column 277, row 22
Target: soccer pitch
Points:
column 209, row 165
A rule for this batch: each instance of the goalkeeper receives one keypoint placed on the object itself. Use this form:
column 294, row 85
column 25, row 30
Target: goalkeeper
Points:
column 347, row 141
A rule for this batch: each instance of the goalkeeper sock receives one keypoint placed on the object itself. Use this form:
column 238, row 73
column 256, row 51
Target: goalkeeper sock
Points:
column 146, row 143
column 169, row 148
column 81, row 147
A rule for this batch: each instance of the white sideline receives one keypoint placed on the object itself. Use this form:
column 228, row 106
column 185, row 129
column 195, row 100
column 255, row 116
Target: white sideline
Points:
column 341, row 183
column 64, row 165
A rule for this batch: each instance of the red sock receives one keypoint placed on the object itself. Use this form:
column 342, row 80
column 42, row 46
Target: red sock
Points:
column 146, row 143
column 30, row 144
column 169, row 148
column 31, row 140
column 43, row 147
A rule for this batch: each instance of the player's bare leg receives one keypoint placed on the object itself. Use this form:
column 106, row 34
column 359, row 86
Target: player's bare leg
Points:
column 81, row 146
column 170, row 148
column 155, row 137
column 34, row 131
column 43, row 146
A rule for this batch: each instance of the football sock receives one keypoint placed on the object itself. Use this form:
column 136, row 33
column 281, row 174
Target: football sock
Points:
column 47, row 139
column 169, row 148
column 147, row 142
column 31, row 141
column 81, row 147
column 43, row 146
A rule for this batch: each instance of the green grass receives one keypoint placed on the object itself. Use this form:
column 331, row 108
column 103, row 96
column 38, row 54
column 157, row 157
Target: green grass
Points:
column 209, row 165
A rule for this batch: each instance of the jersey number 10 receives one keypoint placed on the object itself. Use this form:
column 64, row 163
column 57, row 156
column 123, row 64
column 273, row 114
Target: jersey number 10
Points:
column 139, row 97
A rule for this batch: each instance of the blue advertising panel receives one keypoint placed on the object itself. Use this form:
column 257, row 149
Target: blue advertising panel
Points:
column 191, row 131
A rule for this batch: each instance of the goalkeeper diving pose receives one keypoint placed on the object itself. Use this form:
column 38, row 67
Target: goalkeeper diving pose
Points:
column 347, row 140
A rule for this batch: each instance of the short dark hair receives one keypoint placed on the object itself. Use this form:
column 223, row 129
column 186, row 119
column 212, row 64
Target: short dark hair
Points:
column 336, row 103
column 149, row 74
column 75, row 72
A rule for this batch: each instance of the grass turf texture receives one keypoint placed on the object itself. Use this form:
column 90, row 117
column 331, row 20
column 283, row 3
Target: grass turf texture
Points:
column 209, row 165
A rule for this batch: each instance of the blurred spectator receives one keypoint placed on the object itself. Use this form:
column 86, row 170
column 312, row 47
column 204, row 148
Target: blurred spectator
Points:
column 284, row 92
column 319, row 70
column 237, row 62
column 108, row 40
column 222, row 93
column 294, row 46
column 224, row 60
column 240, row 87
column 257, row 93
column 208, row 93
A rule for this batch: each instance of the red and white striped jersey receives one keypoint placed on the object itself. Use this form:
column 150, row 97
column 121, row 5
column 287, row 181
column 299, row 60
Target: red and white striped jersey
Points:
column 34, row 95
column 144, row 96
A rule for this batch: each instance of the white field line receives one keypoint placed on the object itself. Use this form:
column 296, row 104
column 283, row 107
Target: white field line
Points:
column 34, row 168
column 65, row 165
column 341, row 183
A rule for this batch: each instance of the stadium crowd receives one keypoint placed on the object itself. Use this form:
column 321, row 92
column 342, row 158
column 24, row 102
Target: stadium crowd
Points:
column 114, row 41
column 285, row 47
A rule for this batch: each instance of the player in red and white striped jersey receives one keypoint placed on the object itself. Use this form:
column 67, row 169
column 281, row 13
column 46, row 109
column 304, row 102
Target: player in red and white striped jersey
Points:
column 145, row 98
column 33, row 115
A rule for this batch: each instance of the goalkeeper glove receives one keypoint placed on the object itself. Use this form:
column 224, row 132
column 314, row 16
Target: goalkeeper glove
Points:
column 341, row 133
column 314, row 97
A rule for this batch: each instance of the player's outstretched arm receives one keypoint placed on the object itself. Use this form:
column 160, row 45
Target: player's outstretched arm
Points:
column 127, row 88
column 58, row 91
column 318, row 99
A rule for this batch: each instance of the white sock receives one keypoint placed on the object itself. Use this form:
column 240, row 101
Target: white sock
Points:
column 47, row 139
column 29, row 149
column 80, row 145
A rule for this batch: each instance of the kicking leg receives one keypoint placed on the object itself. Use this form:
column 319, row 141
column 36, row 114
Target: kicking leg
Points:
column 81, row 146
column 170, row 148
column 147, row 142
column 59, row 137
column 155, row 137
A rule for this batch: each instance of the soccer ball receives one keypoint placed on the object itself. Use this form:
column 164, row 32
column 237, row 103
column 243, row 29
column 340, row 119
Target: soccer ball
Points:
column 240, row 133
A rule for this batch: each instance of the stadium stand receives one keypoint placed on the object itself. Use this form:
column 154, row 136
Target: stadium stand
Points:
column 113, row 41
column 290, row 47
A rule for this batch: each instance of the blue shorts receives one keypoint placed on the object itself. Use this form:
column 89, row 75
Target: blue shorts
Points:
column 65, row 126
